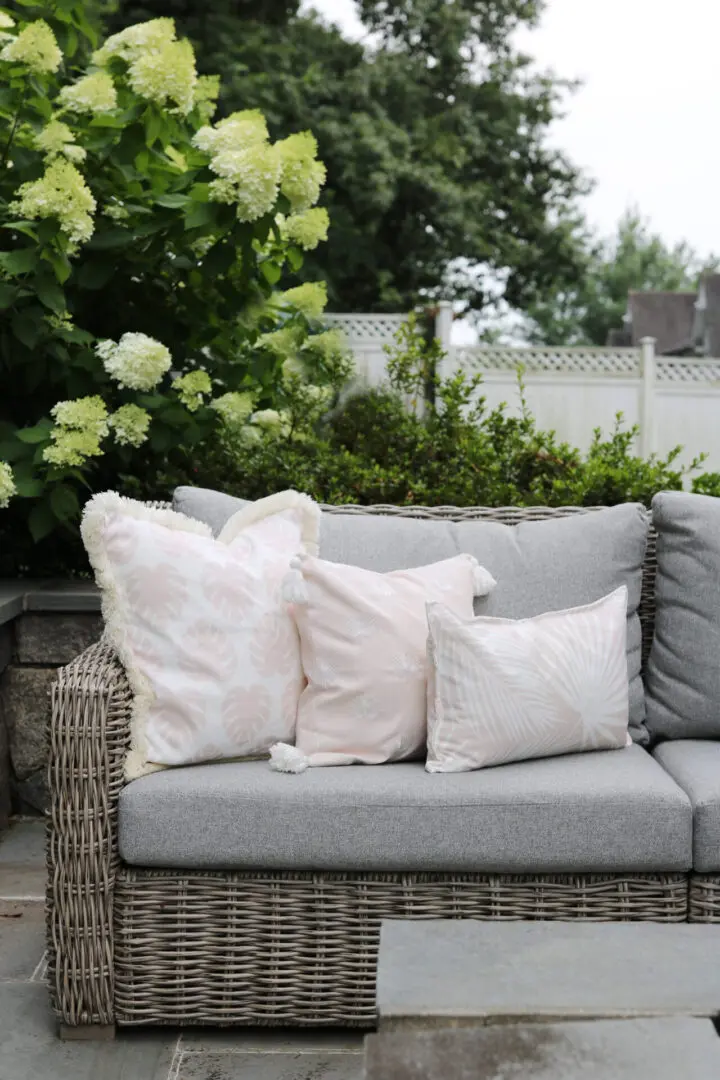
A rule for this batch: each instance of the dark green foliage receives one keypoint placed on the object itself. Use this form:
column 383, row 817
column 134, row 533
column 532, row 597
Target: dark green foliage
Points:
column 434, row 138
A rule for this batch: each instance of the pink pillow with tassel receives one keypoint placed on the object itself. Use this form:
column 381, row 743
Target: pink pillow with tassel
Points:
column 363, row 638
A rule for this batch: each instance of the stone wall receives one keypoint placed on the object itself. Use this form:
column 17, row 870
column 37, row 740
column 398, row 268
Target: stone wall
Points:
column 33, row 645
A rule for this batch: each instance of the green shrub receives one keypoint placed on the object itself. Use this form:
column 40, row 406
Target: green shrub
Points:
column 374, row 448
column 140, row 251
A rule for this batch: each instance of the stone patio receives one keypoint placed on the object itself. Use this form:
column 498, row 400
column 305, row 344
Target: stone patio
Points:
column 30, row 1049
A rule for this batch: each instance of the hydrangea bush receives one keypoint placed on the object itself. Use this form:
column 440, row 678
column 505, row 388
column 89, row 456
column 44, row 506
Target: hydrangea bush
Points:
column 143, row 250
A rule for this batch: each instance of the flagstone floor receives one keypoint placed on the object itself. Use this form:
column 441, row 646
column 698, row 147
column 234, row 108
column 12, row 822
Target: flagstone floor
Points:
column 30, row 1049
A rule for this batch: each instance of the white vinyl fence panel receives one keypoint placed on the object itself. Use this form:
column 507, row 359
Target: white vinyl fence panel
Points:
column 674, row 401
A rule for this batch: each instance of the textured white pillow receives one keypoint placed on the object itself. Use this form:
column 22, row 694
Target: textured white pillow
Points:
column 503, row 690
column 210, row 650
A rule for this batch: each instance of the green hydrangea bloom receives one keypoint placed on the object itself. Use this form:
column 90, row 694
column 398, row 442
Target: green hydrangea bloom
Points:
column 136, row 361
column 207, row 91
column 310, row 298
column 94, row 94
column 272, row 422
column 7, row 484
column 282, row 342
column 234, row 408
column 130, row 425
column 191, row 388
column 61, row 193
column 308, row 229
column 327, row 344
column 302, row 174
column 57, row 138
column 35, row 46
column 166, row 75
column 80, row 425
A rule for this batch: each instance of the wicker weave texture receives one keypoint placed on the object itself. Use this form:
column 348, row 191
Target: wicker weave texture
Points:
column 301, row 949
column 704, row 899
column 146, row 947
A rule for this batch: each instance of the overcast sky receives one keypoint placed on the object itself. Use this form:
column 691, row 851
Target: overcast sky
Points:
column 645, row 123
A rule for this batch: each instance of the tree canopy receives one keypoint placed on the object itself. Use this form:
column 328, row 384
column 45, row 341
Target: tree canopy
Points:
column 635, row 258
column 433, row 130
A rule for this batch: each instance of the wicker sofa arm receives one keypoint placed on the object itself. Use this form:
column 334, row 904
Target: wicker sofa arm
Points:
column 89, row 736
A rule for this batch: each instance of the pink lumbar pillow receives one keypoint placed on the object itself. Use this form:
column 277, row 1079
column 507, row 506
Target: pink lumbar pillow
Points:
column 210, row 650
column 363, row 639
column 502, row 690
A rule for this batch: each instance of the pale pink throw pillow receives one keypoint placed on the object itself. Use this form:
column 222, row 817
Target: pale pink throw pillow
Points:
column 504, row 690
column 200, row 625
column 363, row 638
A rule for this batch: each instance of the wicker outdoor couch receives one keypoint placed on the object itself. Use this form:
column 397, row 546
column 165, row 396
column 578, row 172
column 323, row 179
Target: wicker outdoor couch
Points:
column 136, row 946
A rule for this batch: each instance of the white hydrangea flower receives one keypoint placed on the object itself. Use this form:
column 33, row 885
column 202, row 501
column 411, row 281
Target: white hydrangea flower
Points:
column 94, row 94
column 35, row 46
column 191, row 388
column 207, row 91
column 166, row 75
column 135, row 40
column 7, row 484
column 272, row 422
column 249, row 178
column 136, row 361
column 62, row 193
column 130, row 425
column 310, row 298
column 308, row 229
column 235, row 132
column 6, row 21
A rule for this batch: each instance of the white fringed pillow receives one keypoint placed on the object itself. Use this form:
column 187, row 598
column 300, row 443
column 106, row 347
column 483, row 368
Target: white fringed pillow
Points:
column 363, row 637
column 503, row 690
column 211, row 653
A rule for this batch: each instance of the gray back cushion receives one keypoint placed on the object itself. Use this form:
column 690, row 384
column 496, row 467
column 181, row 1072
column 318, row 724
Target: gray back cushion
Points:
column 539, row 565
column 683, row 674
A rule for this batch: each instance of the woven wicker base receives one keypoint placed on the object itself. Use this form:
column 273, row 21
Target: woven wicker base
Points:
column 301, row 949
column 704, row 901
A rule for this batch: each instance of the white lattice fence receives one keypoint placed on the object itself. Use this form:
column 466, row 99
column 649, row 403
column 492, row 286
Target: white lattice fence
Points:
column 674, row 400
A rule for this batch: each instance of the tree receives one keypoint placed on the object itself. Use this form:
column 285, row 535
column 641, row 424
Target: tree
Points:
column 432, row 130
column 635, row 258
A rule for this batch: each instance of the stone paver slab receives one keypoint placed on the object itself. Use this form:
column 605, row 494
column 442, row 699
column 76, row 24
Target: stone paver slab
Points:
column 602, row 1050
column 467, row 971
column 22, row 860
column 31, row 1050
column 271, row 1067
column 22, row 940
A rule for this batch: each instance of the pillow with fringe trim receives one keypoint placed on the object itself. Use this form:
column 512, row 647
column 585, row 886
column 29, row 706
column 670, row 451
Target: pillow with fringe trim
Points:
column 211, row 652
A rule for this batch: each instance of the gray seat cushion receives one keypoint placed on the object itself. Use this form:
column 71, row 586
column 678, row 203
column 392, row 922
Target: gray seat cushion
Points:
column 605, row 811
column 683, row 673
column 539, row 565
column 694, row 765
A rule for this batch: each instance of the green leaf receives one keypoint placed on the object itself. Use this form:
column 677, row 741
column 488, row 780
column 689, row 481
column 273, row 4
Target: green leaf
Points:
column 201, row 214
column 295, row 257
column 28, row 327
column 29, row 489
column 111, row 238
column 7, row 294
column 172, row 202
column 218, row 260
column 95, row 274
column 19, row 262
column 50, row 294
column 270, row 271
column 153, row 127
column 64, row 502
column 36, row 434
column 200, row 193
column 41, row 521
column 12, row 451
column 60, row 264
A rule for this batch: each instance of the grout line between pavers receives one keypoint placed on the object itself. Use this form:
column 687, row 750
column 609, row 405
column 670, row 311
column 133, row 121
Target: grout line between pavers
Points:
column 40, row 969
column 21, row 899
column 270, row 1052
column 176, row 1062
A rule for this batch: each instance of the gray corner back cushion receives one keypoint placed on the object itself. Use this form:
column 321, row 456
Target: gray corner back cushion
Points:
column 683, row 676
column 694, row 765
column 539, row 565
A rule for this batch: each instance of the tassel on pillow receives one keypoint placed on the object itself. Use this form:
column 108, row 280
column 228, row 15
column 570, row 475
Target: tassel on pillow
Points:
column 286, row 758
column 294, row 588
